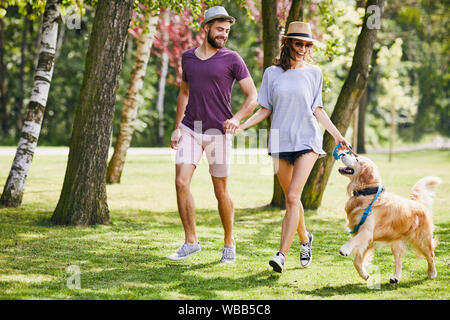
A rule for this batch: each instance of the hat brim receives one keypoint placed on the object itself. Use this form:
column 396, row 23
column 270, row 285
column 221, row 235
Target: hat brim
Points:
column 218, row 16
column 300, row 38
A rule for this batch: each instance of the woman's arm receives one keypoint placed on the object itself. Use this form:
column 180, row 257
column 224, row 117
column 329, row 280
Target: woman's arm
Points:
column 248, row 87
column 325, row 121
column 257, row 117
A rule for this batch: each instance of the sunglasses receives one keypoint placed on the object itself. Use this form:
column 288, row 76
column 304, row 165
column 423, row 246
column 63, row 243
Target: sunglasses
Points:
column 302, row 44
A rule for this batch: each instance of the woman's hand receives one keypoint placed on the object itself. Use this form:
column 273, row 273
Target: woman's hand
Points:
column 231, row 125
column 256, row 118
column 340, row 139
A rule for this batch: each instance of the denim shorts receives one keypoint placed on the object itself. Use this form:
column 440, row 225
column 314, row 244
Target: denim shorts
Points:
column 291, row 156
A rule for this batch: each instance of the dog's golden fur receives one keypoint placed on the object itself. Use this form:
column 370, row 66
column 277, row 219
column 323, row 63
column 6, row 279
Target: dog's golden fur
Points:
column 393, row 220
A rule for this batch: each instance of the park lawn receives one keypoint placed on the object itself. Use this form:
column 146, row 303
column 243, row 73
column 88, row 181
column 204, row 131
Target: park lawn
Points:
column 127, row 259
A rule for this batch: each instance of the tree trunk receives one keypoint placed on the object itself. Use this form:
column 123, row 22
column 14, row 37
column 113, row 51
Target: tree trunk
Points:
column 3, row 99
column 62, row 31
column 271, row 47
column 15, row 184
column 392, row 133
column 362, row 122
column 348, row 99
column 295, row 12
column 355, row 129
column 83, row 198
column 130, row 106
column 270, row 31
column 162, row 84
column 23, row 47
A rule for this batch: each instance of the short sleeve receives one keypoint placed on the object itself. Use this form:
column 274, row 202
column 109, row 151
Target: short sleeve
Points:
column 183, row 74
column 240, row 70
column 317, row 101
column 264, row 96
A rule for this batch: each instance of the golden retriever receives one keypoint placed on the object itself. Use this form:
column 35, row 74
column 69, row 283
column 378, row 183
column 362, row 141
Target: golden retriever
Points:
column 393, row 219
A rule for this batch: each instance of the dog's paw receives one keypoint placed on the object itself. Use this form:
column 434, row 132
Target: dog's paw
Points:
column 394, row 280
column 345, row 251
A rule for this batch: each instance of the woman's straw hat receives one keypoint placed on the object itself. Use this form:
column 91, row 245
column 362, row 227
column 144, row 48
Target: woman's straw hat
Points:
column 299, row 30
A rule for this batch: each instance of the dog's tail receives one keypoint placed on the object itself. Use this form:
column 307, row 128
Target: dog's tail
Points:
column 423, row 190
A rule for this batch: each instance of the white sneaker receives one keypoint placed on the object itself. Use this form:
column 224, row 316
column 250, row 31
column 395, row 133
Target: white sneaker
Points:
column 277, row 262
column 229, row 254
column 185, row 251
column 305, row 252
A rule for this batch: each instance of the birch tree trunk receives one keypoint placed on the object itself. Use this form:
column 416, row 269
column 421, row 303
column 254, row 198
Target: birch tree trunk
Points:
column 23, row 48
column 349, row 97
column 130, row 106
column 14, row 188
column 83, row 198
column 162, row 83
column 392, row 132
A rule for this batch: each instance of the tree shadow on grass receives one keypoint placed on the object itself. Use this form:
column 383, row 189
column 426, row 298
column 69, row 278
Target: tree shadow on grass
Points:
column 359, row 288
column 114, row 267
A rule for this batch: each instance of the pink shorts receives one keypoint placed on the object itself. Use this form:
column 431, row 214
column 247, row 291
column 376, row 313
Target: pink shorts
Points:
column 217, row 147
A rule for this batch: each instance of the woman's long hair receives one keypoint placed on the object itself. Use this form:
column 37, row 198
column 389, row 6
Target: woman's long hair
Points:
column 284, row 59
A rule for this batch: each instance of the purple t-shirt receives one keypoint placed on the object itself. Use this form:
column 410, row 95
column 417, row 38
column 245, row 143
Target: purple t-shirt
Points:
column 210, row 83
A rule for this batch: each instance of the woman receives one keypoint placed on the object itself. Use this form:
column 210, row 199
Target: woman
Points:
column 291, row 93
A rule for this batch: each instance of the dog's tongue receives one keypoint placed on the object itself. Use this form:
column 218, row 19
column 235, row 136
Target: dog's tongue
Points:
column 346, row 170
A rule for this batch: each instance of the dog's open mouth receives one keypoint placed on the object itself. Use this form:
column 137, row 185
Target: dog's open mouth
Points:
column 346, row 170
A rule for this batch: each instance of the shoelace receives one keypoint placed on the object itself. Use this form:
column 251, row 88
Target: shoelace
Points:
column 228, row 253
column 304, row 252
column 183, row 250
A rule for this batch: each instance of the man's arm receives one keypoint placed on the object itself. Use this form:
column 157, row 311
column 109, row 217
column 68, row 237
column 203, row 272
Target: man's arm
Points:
column 248, row 87
column 183, row 97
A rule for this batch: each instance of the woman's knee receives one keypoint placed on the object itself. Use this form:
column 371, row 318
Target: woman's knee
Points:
column 292, row 199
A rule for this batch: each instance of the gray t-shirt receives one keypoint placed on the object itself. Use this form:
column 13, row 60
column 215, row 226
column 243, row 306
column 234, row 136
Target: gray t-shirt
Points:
column 293, row 96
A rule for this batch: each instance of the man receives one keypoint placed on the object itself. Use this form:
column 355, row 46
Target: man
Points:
column 204, row 121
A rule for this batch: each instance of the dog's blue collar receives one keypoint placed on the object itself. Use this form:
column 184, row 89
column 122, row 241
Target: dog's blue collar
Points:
column 367, row 211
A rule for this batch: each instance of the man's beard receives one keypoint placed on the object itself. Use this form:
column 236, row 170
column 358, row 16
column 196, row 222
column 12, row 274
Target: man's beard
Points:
column 213, row 42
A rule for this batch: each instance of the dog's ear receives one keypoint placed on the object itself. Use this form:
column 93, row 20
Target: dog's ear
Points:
column 367, row 175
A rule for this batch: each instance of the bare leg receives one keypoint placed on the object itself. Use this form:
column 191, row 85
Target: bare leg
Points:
column 185, row 201
column 294, row 218
column 226, row 208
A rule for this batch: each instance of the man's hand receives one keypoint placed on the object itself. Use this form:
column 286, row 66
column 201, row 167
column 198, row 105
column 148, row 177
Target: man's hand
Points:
column 231, row 125
column 176, row 135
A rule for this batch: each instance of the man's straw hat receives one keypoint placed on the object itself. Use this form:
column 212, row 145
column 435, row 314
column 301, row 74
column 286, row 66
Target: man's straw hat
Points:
column 217, row 12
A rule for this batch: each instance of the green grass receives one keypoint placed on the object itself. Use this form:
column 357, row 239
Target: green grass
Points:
column 128, row 258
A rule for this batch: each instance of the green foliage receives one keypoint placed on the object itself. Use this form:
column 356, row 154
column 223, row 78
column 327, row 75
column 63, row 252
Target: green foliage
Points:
column 339, row 30
column 395, row 90
column 426, row 43
column 422, row 71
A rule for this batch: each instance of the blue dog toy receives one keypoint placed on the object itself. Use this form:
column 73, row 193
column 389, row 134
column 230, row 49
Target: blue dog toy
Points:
column 338, row 154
